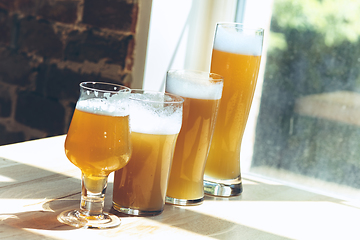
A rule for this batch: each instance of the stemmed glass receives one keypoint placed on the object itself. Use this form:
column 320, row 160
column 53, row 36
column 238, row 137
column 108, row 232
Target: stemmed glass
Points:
column 98, row 142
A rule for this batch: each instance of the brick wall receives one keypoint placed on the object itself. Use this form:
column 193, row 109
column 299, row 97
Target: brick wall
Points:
column 47, row 47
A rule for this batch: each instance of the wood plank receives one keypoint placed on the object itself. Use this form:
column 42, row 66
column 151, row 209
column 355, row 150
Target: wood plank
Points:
column 267, row 209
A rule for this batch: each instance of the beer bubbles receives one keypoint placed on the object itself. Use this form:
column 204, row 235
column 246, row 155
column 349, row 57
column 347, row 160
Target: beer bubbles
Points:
column 143, row 118
column 110, row 105
column 195, row 84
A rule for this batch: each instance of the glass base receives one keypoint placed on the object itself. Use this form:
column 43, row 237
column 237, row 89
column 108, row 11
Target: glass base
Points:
column 223, row 188
column 135, row 212
column 183, row 202
column 75, row 219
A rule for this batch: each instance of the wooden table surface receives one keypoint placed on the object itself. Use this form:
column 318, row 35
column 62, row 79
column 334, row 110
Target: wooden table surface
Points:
column 37, row 182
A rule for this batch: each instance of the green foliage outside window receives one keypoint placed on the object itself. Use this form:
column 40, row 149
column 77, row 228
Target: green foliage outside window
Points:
column 314, row 48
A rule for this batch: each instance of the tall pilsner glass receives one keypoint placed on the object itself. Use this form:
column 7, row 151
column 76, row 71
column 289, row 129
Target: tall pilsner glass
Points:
column 236, row 56
column 98, row 142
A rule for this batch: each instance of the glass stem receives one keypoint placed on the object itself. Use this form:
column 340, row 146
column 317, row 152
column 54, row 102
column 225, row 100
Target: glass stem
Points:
column 92, row 196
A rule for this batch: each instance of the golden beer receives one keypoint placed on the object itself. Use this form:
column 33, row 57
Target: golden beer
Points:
column 140, row 184
column 109, row 148
column 236, row 56
column 155, row 120
column 201, row 92
column 98, row 142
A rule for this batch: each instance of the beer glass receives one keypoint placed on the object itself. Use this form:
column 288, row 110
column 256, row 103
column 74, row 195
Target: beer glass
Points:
column 155, row 120
column 236, row 56
column 201, row 92
column 98, row 142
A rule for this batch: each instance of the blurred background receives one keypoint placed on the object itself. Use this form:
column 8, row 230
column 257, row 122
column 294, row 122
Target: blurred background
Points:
column 304, row 123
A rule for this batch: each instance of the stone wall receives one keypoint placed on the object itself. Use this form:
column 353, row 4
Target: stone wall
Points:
column 47, row 47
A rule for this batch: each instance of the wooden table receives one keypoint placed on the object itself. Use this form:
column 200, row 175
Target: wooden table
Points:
column 37, row 182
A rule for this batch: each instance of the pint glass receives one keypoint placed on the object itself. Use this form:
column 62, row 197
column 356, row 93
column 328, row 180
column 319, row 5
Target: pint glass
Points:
column 236, row 56
column 155, row 120
column 201, row 92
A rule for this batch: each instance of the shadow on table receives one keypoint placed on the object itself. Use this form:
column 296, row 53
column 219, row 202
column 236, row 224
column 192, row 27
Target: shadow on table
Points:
column 64, row 192
column 17, row 182
column 43, row 219
column 210, row 226
column 187, row 219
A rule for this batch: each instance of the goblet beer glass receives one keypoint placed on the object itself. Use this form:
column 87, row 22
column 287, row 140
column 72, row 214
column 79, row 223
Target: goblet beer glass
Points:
column 98, row 142
column 201, row 92
column 155, row 120
column 236, row 56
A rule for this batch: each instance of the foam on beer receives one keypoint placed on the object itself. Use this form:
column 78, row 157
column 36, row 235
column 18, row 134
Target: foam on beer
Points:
column 239, row 42
column 152, row 118
column 193, row 85
column 104, row 107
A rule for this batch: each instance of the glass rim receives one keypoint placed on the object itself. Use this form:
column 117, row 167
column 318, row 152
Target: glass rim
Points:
column 122, row 88
column 218, row 77
column 241, row 25
column 174, row 98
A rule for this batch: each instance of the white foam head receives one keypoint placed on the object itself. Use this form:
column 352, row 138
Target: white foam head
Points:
column 149, row 115
column 115, row 105
column 194, row 84
column 230, row 39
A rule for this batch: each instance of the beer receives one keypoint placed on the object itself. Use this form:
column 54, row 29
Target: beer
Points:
column 201, row 92
column 140, row 184
column 238, row 93
column 236, row 56
column 97, row 143
column 155, row 120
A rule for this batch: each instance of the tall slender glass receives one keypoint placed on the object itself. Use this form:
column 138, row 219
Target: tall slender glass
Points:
column 98, row 142
column 155, row 119
column 236, row 56
column 202, row 93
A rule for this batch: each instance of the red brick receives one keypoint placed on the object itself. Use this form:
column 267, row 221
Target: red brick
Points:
column 111, row 14
column 15, row 68
column 130, row 56
column 5, row 106
column 6, row 4
column 5, row 27
column 5, row 102
column 92, row 46
column 26, row 7
column 61, row 11
column 39, row 37
column 61, row 83
column 39, row 112
column 8, row 137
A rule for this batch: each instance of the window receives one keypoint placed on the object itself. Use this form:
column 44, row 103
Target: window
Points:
column 308, row 129
column 303, row 126
column 181, row 35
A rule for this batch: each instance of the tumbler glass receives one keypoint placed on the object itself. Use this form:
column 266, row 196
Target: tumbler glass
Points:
column 155, row 119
